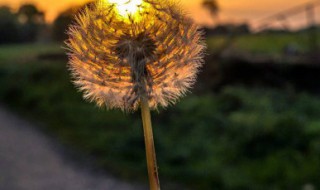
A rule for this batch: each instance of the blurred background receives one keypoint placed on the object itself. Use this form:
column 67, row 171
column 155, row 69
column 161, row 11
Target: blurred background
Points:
column 251, row 122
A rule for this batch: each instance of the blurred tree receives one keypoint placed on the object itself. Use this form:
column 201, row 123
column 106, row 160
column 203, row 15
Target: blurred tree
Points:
column 29, row 13
column 31, row 20
column 8, row 26
column 212, row 6
column 62, row 22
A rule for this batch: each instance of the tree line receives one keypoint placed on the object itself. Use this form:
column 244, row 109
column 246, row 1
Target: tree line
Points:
column 27, row 24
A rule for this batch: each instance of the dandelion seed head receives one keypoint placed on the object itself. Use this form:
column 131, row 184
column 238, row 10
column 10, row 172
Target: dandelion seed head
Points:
column 116, row 58
column 126, row 7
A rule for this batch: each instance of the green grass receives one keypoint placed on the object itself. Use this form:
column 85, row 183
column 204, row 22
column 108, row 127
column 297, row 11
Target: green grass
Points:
column 237, row 139
column 272, row 44
column 26, row 53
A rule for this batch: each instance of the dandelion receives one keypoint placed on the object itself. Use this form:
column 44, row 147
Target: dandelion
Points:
column 135, row 53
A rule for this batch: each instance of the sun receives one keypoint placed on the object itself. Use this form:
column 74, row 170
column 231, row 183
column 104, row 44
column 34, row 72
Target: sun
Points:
column 127, row 7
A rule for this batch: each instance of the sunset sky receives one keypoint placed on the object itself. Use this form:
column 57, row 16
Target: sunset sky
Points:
column 231, row 10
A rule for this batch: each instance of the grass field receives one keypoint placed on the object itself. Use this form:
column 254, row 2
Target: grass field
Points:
column 272, row 44
column 239, row 138
column 26, row 53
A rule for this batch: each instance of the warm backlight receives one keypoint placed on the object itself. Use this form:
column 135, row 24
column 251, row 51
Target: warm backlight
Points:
column 127, row 7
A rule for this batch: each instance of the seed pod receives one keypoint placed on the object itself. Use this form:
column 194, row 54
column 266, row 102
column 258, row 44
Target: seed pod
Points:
column 116, row 59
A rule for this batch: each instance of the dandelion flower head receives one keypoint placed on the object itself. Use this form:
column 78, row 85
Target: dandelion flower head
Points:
column 120, row 53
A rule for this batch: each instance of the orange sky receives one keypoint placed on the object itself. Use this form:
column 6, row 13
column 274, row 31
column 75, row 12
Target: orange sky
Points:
column 231, row 10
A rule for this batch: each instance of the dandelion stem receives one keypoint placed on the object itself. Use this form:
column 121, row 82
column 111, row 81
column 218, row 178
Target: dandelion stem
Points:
column 149, row 142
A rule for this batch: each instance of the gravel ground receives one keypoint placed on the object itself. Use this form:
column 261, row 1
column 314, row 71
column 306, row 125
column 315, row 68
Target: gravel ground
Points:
column 29, row 160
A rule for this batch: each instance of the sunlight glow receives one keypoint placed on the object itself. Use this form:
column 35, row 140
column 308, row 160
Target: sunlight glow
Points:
column 127, row 7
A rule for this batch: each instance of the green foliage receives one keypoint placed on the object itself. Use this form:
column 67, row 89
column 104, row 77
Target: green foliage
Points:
column 236, row 139
column 246, row 139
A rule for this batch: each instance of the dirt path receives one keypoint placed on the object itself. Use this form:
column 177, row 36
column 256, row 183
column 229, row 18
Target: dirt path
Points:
column 30, row 161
